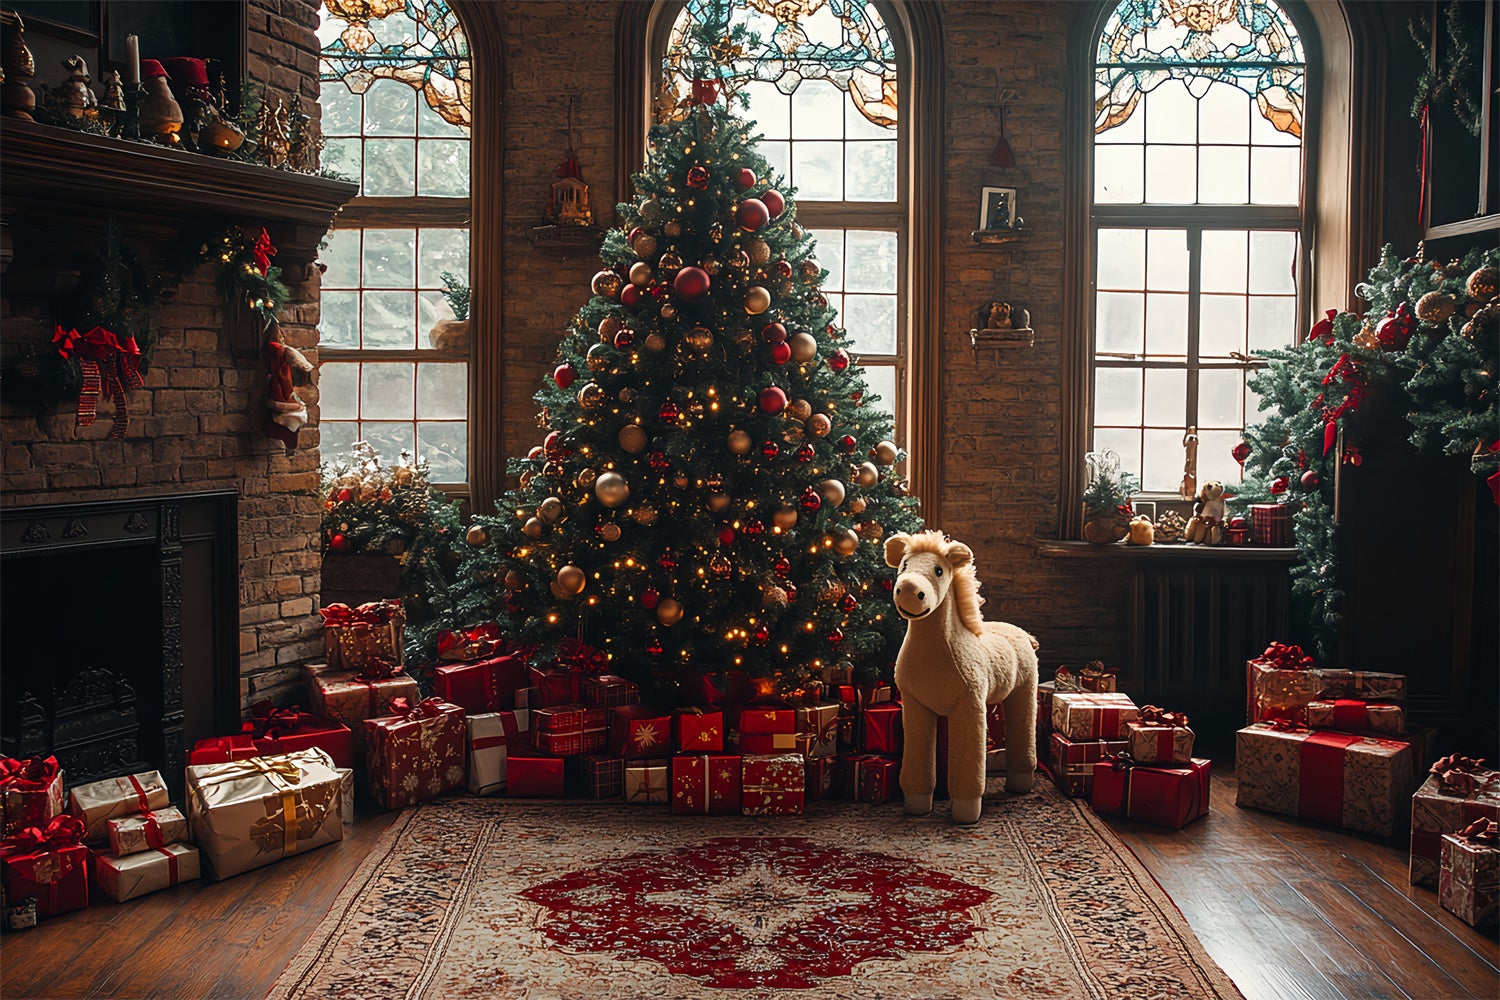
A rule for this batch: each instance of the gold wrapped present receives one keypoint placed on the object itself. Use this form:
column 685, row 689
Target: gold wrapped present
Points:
column 646, row 781
column 351, row 699
column 249, row 813
column 1088, row 715
column 122, row 878
column 1356, row 715
column 1160, row 737
column 1281, row 683
column 818, row 730
column 101, row 801
column 368, row 638
column 346, row 794
column 143, row 831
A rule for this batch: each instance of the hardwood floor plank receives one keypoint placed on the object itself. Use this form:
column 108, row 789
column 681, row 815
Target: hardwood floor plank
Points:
column 1329, row 951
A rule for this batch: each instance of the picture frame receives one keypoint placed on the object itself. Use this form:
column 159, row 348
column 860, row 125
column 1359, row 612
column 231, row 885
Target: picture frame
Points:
column 997, row 208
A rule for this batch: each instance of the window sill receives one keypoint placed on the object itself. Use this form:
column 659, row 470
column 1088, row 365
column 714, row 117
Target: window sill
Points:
column 1051, row 548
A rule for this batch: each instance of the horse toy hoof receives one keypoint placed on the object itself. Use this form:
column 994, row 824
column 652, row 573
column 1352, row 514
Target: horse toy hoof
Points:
column 918, row 805
column 967, row 810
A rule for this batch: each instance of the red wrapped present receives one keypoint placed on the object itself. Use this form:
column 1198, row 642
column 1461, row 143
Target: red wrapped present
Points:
column 529, row 698
column 698, row 730
column 223, row 749
column 1271, row 524
column 609, row 691
column 873, row 778
column 729, row 687
column 31, row 792
column 351, row 699
column 416, row 752
column 491, row 737
column 767, row 729
column 1282, row 682
column 822, row 778
column 1166, row 796
column 646, row 782
column 554, row 686
column 286, row 730
column 1095, row 676
column 478, row 643
column 818, row 729
column 1160, row 737
column 636, row 732
column 1072, row 762
column 1355, row 715
column 1469, row 882
column 569, row 730
column 706, row 784
column 605, row 775
column 100, row 801
column 772, row 784
column 882, row 728
column 1087, row 715
column 533, row 775
column 1458, row 791
column 1356, row 782
column 48, row 864
column 367, row 639
column 487, row 685
column 847, row 698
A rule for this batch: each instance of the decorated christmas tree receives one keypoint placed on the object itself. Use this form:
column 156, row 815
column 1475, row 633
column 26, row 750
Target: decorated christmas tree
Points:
column 715, row 480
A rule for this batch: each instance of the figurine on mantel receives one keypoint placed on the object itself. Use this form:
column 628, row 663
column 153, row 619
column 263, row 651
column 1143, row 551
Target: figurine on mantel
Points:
column 16, row 98
column 73, row 97
column 161, row 115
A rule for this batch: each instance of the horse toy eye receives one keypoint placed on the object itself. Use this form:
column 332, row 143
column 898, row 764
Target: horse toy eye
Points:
column 940, row 571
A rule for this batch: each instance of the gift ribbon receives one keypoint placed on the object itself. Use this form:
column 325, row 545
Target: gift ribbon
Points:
column 646, row 788
column 466, row 645
column 371, row 614
column 1152, row 789
column 1320, row 792
column 263, row 251
column 378, row 668
column 1154, row 716
column 110, row 365
column 578, row 656
column 61, row 831
column 1350, row 713
column 171, row 857
column 424, row 709
column 28, row 774
column 880, row 729
column 1284, row 657
column 1482, row 833
column 1344, row 368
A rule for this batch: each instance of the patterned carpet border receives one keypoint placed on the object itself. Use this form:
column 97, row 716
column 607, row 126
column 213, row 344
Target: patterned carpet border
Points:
column 433, row 912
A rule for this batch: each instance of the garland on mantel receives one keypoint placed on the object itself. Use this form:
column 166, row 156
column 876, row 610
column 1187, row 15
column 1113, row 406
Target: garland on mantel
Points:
column 1433, row 331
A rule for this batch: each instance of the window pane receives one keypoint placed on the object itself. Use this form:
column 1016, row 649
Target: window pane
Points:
column 1224, row 260
column 390, row 320
column 1166, row 397
column 339, row 322
column 433, row 125
column 390, row 439
column 1273, row 257
column 390, row 168
column 342, row 110
column 1167, row 260
column 340, row 255
column 336, row 438
column 1166, row 324
column 1122, row 258
column 816, row 170
column 1123, row 442
column 1221, row 325
column 1121, row 325
column 779, row 158
column 1220, row 394
column 386, row 391
column 1272, row 321
column 836, row 303
column 1171, row 114
column 871, row 261
column 390, row 109
column 830, row 253
column 432, row 309
column 390, row 258
column 342, row 156
column 857, row 126
column 1224, row 115
column 443, row 168
column 770, row 109
column 1117, row 396
column 1171, row 175
column 445, row 446
column 442, row 250
column 1215, row 460
column 882, row 382
column 871, row 322
column 443, row 391
column 871, row 169
column 1274, row 176
column 338, row 390
column 1118, row 177
column 1161, row 466
column 1223, row 175
column 818, row 111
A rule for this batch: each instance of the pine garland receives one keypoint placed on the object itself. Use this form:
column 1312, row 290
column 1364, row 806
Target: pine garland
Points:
column 1453, row 77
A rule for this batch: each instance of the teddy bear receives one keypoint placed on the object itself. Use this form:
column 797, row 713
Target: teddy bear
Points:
column 1206, row 526
column 1142, row 531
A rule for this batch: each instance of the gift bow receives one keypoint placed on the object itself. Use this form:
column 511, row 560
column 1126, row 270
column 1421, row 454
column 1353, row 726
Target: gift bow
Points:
column 1482, row 831
column 1154, row 716
column 371, row 614
column 577, row 655
column 1460, row 775
column 1284, row 657
column 461, row 645
column 30, row 773
column 425, row 709
column 270, row 721
column 378, row 668
column 1122, row 761
column 63, row 831
column 264, row 251
column 1286, row 726
column 1456, row 762
column 1096, row 668
column 110, row 365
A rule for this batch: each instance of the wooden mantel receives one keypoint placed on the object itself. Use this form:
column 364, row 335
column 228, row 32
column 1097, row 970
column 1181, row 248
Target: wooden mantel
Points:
column 48, row 172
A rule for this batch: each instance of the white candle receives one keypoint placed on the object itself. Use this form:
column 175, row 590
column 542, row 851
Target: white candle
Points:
column 132, row 59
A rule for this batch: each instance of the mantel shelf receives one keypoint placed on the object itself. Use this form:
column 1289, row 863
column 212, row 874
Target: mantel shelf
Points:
column 566, row 237
column 991, row 239
column 47, row 173
column 997, row 340
column 1169, row 552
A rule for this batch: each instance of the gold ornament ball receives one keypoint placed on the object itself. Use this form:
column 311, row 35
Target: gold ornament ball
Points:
column 668, row 310
column 757, row 300
column 640, row 273
column 718, row 501
column 645, row 514
column 550, row 509
column 571, row 579
column 585, row 478
column 651, row 210
column 1435, row 308
column 610, row 532
column 653, row 342
column 804, row 347
column 818, row 424
column 886, row 453
column 1483, row 284
column 846, row 543
column 760, row 251
column 591, row 396
column 857, row 505
column 773, row 597
column 609, row 326
column 868, row 475
column 669, row 612
column 712, row 265
column 607, row 284
column 560, row 592
column 799, row 409
column 633, row 439
column 532, row 528
column 611, row 489
column 597, row 357
column 670, row 262
column 552, row 470
column 680, row 480
column 785, row 518
column 644, row 245
column 672, row 229
column 625, row 395
column 739, row 442
column 811, row 269
column 832, row 490
column 871, row 530
column 699, row 338
column 477, row 535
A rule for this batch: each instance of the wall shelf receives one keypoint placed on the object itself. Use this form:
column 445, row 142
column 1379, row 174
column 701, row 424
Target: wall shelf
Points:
column 1169, row 552
column 998, row 340
column 566, row 237
column 990, row 239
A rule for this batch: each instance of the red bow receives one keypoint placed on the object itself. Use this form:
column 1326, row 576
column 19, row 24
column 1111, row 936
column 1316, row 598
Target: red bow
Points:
column 30, row 773
column 264, row 251
column 425, row 709
column 1287, row 726
column 378, row 668
column 1154, row 716
column 1344, row 368
column 1484, row 831
column 372, row 614
column 62, row 831
column 110, row 364
column 1095, row 667
column 1122, row 761
column 482, row 640
column 270, row 721
column 1323, row 329
column 577, row 655
column 1284, row 657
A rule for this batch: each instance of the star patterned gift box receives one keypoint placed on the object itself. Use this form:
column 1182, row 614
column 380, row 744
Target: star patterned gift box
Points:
column 818, row 730
column 100, row 801
column 646, row 782
column 1458, row 791
column 491, row 737
column 145, row 831
column 487, row 685
column 47, row 864
column 604, row 775
column 416, row 753
column 1355, row 715
column 698, row 729
column 1469, row 879
column 772, row 784
column 249, row 813
column 31, row 792
column 348, row 698
column 637, row 732
column 369, row 638
column 706, row 784
column 1088, row 715
column 1356, row 782
column 533, row 775
column 127, row 877
column 1072, row 762
column 1169, row 795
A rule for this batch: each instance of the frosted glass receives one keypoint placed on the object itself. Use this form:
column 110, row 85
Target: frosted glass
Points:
column 871, row 322
column 340, row 255
column 1171, row 114
column 445, row 446
column 390, row 258
column 1167, row 260
column 1118, row 177
column 881, row 380
column 818, row 111
column 440, row 250
column 770, row 109
column 1221, row 325
column 386, row 391
column 1223, row 260
column 343, row 156
column 336, row 439
column 390, row 320
column 1122, row 258
column 1273, row 256
column 342, row 110
column 1272, row 321
column 390, row 168
column 871, row 265
column 1161, row 465
column 432, row 308
column 1171, row 175
column 1120, row 325
column 870, row 171
column 1125, row 442
column 1166, row 397
column 1220, row 395
column 390, row 439
column 779, row 159
column 390, row 109
column 817, row 170
column 1216, row 459
column 442, row 391
column 857, row 126
column 1275, row 176
column 830, row 253
column 338, row 390
column 1224, row 115
column 1117, row 396
column 1166, row 324
column 430, row 124
column 443, row 168
column 339, row 322
column 1223, row 175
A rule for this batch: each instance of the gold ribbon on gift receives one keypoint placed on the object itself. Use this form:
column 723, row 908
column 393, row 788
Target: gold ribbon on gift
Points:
column 281, row 772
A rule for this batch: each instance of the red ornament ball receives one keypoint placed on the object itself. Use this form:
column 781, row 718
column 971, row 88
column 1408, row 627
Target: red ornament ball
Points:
column 338, row 543
column 772, row 400
column 781, row 353
column 726, row 535
column 782, row 568
column 1279, row 485
column 755, row 528
column 668, row 412
column 659, row 460
column 346, row 495
column 667, row 561
column 752, row 214
column 848, row 445
column 1241, row 452
column 811, row 502
column 631, row 296
column 564, row 376
column 805, row 453
column 745, row 178
column 650, row 598
column 552, row 443
column 653, row 648
column 635, row 234
column 839, row 360
column 849, row 603
column 691, row 284
column 773, row 333
column 697, row 177
column 625, row 338
column 784, row 268
column 1311, row 480
column 835, row 637
column 774, row 202
column 770, row 449
column 762, row 635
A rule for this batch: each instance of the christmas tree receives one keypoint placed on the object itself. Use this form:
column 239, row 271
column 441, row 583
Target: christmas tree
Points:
column 715, row 481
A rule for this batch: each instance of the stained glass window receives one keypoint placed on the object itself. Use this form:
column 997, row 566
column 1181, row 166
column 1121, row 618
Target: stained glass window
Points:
column 395, row 101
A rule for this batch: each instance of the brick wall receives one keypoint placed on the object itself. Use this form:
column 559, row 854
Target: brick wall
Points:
column 195, row 426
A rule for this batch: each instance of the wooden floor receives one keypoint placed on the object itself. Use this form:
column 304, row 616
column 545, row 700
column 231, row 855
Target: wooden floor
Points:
column 1288, row 909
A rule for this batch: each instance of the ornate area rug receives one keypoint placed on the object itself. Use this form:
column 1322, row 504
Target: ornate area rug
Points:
column 494, row 898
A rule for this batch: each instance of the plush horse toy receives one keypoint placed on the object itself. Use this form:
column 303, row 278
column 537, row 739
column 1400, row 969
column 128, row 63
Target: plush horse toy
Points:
column 955, row 663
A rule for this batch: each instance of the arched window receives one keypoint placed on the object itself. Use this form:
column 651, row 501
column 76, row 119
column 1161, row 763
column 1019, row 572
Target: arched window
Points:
column 1197, row 223
column 396, row 113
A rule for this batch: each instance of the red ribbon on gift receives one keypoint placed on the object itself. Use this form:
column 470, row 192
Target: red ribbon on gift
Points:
column 1284, row 657
column 372, row 614
column 1284, row 726
column 270, row 722
column 378, row 668
column 1153, row 716
column 1463, row 776
column 111, row 365
column 62, row 831
column 1350, row 713
column 1320, row 794
column 425, row 709
column 1482, row 833
column 512, row 733
column 480, row 641
column 29, row 774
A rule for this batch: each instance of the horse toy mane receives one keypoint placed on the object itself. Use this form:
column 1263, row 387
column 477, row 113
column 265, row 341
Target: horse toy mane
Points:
column 965, row 586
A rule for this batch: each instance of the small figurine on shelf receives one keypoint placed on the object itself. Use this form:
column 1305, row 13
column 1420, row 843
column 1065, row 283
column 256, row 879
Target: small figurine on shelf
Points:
column 73, row 97
column 570, row 195
column 190, row 82
column 112, row 104
column 1206, row 526
column 271, row 133
column 16, row 98
column 304, row 143
column 160, row 114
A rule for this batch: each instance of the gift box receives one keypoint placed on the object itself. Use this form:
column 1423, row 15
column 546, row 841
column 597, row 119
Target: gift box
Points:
column 604, row 775
column 48, row 864
column 873, row 778
column 818, row 730
column 554, row 686
column 20, row 916
column 1171, row 796
column 772, row 784
column 222, row 749
column 487, row 685
column 490, row 738
column 1160, row 737
column 846, row 696
column 1458, row 791
column 478, row 643
column 366, row 639
column 1271, row 524
column 1355, row 715
column 706, row 784
column 278, row 731
column 126, row 877
column 636, row 732
column 1088, row 715
column 1282, row 682
column 101, row 801
column 416, row 752
column 533, row 775
column 1096, row 677
column 882, row 728
column 646, row 781
column 767, row 729
column 1072, row 762
column 249, row 813
column 346, row 794
column 1065, row 680
column 1356, row 782
column 31, row 792
column 351, row 699
column 145, row 831
column 1469, row 880
column 699, row 730
column 822, row 778
column 528, row 698
column 609, row 691
column 568, row 730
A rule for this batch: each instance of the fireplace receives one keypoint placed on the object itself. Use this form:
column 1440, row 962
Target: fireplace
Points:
column 120, row 626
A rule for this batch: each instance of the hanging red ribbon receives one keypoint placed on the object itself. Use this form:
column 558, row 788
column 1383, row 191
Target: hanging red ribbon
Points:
column 1344, row 368
column 264, row 251
column 1422, row 123
column 111, row 366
